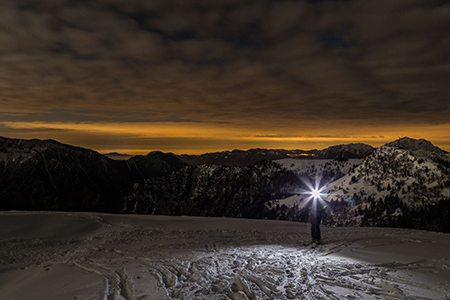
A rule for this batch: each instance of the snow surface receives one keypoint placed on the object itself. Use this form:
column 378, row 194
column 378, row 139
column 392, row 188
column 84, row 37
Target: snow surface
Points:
column 45, row 255
column 291, row 201
column 304, row 165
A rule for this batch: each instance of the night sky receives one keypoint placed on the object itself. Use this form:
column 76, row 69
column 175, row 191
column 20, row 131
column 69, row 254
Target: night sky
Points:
column 188, row 76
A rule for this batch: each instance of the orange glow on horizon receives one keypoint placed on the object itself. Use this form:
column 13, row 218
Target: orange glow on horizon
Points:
column 200, row 138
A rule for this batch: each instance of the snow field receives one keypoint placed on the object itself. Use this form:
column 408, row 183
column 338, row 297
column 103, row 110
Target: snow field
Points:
column 101, row 256
column 308, row 165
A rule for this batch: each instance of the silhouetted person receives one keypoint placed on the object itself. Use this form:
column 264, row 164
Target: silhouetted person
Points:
column 315, row 217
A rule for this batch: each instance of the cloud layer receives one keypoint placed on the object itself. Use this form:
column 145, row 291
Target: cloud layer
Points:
column 252, row 64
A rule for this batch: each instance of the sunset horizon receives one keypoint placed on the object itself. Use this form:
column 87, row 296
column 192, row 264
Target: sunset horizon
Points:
column 306, row 144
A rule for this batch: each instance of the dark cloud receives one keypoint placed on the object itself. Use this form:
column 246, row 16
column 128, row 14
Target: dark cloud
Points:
column 84, row 115
column 228, row 61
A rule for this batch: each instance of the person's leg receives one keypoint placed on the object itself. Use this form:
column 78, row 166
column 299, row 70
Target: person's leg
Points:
column 318, row 219
column 315, row 235
column 318, row 237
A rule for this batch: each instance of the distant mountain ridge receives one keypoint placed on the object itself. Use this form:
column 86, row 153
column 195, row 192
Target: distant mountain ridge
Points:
column 243, row 157
column 36, row 175
column 48, row 175
column 252, row 156
column 345, row 151
column 416, row 145
column 117, row 156
column 404, row 183
column 406, row 186
column 249, row 157
column 155, row 164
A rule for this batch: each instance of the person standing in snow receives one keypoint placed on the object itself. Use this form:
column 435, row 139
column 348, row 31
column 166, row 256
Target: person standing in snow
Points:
column 315, row 216
column 316, row 204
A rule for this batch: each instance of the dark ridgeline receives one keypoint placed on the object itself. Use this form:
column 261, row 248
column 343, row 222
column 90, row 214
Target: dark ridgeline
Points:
column 221, row 189
column 244, row 158
column 252, row 156
column 48, row 175
column 412, row 177
column 345, row 151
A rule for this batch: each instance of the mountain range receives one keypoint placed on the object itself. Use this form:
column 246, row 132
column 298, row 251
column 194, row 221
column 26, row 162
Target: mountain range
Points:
column 404, row 183
column 252, row 156
column 48, row 175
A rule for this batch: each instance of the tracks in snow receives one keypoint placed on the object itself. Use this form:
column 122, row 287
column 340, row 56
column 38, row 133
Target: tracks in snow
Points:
column 138, row 263
column 275, row 272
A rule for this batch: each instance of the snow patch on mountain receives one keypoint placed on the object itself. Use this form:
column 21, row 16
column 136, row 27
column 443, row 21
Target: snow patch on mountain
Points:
column 421, row 145
column 393, row 186
column 292, row 201
column 319, row 167
column 391, row 170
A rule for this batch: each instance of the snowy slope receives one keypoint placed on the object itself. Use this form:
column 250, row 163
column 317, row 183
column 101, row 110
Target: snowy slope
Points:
column 324, row 168
column 81, row 256
column 416, row 145
column 391, row 170
column 395, row 187
column 407, row 186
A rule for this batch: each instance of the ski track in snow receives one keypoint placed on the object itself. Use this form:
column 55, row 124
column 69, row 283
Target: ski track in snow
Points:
column 134, row 260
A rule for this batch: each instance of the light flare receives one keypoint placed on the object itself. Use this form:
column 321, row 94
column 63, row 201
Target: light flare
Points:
column 314, row 192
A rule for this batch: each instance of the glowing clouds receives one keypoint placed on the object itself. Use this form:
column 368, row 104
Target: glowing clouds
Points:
column 238, row 74
column 185, row 137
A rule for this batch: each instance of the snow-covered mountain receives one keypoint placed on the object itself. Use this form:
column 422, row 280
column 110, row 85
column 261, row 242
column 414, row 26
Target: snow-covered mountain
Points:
column 404, row 183
column 407, row 186
column 354, row 151
column 391, row 170
column 419, row 145
column 327, row 169
column 213, row 190
column 396, row 187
